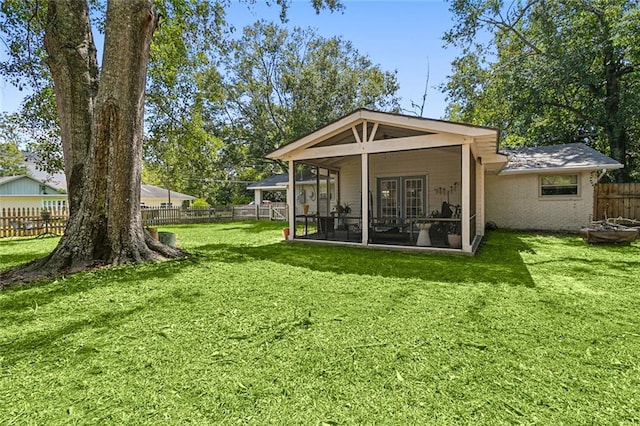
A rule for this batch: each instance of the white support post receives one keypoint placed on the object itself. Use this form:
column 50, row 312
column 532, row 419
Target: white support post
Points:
column 257, row 196
column 466, row 198
column 291, row 201
column 480, row 218
column 365, row 198
column 364, row 131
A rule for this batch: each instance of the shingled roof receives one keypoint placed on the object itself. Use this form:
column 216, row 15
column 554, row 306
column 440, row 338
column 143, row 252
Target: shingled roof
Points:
column 151, row 191
column 554, row 158
column 280, row 180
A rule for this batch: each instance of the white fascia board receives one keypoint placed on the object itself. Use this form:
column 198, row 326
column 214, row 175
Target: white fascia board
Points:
column 425, row 124
column 270, row 188
column 407, row 122
column 33, row 195
column 562, row 169
column 379, row 146
column 494, row 158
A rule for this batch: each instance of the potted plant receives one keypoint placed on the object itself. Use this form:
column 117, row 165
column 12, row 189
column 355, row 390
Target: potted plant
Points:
column 342, row 210
column 454, row 237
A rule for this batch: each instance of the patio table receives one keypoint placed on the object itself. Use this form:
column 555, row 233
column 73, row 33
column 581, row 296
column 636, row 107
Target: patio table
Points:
column 306, row 221
column 431, row 220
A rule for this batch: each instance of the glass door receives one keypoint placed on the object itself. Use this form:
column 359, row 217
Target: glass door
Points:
column 414, row 199
column 402, row 197
column 389, row 197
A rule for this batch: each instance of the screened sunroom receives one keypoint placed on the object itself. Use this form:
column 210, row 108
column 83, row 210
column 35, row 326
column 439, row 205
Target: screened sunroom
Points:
column 390, row 180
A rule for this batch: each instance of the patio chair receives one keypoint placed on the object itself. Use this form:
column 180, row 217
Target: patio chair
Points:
column 15, row 225
column 20, row 227
column 28, row 225
column 326, row 226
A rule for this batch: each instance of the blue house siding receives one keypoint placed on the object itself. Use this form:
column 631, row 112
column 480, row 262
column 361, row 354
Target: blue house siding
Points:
column 24, row 185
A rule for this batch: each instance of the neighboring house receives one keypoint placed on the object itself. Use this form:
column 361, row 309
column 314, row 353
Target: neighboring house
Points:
column 275, row 183
column 150, row 195
column 419, row 178
column 57, row 180
column 546, row 188
column 155, row 196
column 306, row 189
column 25, row 191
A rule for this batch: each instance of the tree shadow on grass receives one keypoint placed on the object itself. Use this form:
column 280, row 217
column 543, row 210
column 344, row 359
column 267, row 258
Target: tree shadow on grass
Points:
column 13, row 253
column 599, row 260
column 498, row 262
column 103, row 319
column 14, row 260
column 21, row 297
column 28, row 343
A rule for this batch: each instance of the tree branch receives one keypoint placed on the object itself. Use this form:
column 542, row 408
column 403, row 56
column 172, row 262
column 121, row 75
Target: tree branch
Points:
column 573, row 110
column 630, row 69
column 505, row 26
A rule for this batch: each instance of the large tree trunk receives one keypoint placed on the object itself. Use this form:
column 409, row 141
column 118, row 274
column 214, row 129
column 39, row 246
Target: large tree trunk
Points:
column 74, row 68
column 615, row 125
column 101, row 126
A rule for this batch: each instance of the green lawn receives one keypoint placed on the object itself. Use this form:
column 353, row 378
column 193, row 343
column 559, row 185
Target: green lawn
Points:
column 251, row 330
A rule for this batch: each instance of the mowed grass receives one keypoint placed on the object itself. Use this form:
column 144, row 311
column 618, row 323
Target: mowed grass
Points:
column 252, row 330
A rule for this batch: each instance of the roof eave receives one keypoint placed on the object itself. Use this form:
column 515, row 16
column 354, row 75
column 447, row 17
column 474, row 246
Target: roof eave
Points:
column 420, row 123
column 561, row 169
column 269, row 187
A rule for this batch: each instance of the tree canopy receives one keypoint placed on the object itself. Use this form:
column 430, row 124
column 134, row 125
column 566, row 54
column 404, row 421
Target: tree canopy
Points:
column 213, row 118
column 548, row 72
column 281, row 85
column 11, row 160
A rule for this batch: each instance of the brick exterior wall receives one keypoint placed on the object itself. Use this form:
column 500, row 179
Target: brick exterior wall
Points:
column 513, row 201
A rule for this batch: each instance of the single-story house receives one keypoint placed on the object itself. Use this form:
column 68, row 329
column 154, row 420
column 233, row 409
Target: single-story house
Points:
column 57, row 180
column 305, row 193
column 546, row 188
column 275, row 183
column 150, row 195
column 392, row 180
column 155, row 196
column 24, row 191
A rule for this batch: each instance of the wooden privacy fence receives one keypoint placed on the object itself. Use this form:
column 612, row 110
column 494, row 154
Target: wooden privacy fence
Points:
column 176, row 215
column 29, row 222
column 616, row 200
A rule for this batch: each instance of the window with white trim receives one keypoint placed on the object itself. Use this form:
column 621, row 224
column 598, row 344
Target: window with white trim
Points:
column 559, row 185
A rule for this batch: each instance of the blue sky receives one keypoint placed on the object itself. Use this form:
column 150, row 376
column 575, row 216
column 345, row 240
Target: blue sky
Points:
column 401, row 35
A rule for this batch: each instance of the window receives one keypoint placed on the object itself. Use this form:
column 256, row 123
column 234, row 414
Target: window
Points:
column 558, row 185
